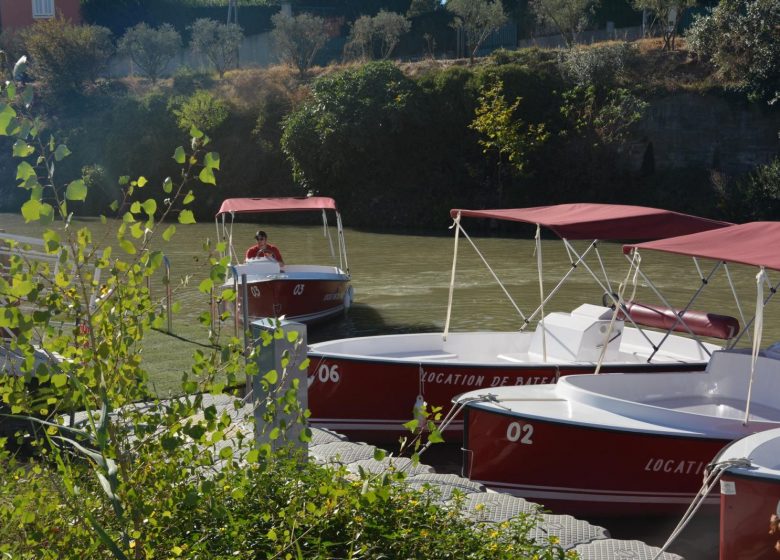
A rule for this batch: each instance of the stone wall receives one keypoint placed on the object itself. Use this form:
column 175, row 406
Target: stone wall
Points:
column 705, row 131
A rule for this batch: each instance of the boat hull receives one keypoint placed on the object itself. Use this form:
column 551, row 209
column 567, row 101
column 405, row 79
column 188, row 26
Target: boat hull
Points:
column 746, row 509
column 305, row 300
column 371, row 399
column 583, row 470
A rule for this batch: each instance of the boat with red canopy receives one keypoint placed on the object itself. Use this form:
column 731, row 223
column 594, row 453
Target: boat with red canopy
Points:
column 634, row 444
column 301, row 292
column 369, row 387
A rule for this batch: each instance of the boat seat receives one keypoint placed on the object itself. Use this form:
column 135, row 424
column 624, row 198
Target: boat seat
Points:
column 422, row 355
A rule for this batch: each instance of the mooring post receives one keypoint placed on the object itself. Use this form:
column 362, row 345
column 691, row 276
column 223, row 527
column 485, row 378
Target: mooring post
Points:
column 168, row 293
column 284, row 356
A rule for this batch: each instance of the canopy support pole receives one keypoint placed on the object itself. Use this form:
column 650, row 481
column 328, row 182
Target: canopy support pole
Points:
column 679, row 320
column 758, row 329
column 573, row 266
column 456, row 225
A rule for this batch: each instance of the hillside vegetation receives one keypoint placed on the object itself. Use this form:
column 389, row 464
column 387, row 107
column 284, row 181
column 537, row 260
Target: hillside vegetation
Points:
column 402, row 144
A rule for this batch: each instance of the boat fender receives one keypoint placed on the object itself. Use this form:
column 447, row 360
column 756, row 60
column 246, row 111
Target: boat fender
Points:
column 701, row 323
column 419, row 410
column 347, row 301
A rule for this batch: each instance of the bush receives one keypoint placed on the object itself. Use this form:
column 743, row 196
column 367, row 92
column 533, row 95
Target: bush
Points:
column 187, row 81
column 201, row 110
column 754, row 197
column 741, row 38
column 64, row 56
column 600, row 66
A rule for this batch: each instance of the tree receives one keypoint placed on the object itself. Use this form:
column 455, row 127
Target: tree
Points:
column 64, row 56
column 477, row 19
column 568, row 17
column 360, row 43
column 742, row 39
column 502, row 133
column 150, row 49
column 667, row 14
column 218, row 42
column 388, row 28
column 381, row 33
column 299, row 38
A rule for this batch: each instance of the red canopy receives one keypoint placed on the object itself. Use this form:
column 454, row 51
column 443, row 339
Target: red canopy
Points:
column 244, row 205
column 754, row 244
column 602, row 221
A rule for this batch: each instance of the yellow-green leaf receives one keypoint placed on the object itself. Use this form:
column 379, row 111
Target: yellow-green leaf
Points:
column 168, row 233
column 206, row 175
column 179, row 155
column 59, row 379
column 76, row 190
column 61, row 152
column 22, row 149
column 188, row 198
column 24, row 171
column 211, row 160
column 186, row 217
column 31, row 210
column 168, row 185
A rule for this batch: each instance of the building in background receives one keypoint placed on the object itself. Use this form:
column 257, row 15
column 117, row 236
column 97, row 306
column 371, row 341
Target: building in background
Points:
column 16, row 14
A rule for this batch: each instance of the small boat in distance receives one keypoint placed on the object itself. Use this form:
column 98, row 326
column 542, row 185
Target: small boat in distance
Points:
column 306, row 293
column 633, row 444
column 750, row 497
column 369, row 387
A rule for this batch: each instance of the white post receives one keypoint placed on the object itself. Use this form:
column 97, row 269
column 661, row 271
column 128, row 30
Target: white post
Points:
column 266, row 395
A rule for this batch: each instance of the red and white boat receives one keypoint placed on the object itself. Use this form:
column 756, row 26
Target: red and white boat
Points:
column 369, row 387
column 305, row 293
column 750, row 498
column 632, row 444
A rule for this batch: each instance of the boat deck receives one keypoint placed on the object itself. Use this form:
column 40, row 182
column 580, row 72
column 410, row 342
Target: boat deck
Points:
column 718, row 407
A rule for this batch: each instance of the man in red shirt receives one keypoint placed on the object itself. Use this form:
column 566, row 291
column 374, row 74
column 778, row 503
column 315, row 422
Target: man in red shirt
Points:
column 264, row 249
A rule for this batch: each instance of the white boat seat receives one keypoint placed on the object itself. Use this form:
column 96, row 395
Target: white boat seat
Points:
column 422, row 355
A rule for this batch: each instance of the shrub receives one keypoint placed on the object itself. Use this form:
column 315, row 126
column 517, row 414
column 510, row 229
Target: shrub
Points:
column 600, row 66
column 64, row 56
column 755, row 196
column 150, row 49
column 187, row 81
column 741, row 38
column 200, row 110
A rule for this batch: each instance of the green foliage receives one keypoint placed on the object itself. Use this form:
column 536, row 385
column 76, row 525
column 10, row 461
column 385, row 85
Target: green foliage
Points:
column 568, row 17
column 742, row 39
column 478, row 19
column 379, row 34
column 200, row 110
column 601, row 66
column 299, row 38
column 150, row 49
column 64, row 56
column 754, row 197
column 604, row 119
column 503, row 133
column 218, row 42
column 350, row 113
